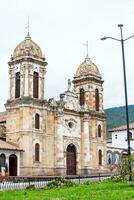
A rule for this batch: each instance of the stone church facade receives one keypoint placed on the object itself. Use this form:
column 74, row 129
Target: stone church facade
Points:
column 64, row 137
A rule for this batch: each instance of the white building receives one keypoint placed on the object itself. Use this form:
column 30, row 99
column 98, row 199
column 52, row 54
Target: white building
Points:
column 118, row 144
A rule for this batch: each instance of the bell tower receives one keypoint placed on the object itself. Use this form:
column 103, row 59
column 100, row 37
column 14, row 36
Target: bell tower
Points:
column 27, row 71
column 27, row 68
column 88, row 85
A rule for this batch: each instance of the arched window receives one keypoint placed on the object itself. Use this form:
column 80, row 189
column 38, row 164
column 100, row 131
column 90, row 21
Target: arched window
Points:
column 82, row 97
column 17, row 85
column 35, row 84
column 97, row 99
column 116, row 158
column 100, row 157
column 37, row 121
column 109, row 158
column 71, row 148
column 2, row 160
column 99, row 130
column 37, row 152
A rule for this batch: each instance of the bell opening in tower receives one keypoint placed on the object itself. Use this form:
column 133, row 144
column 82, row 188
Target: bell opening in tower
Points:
column 82, row 97
column 17, row 85
column 35, row 84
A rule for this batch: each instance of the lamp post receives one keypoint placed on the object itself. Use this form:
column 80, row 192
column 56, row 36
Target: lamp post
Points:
column 125, row 90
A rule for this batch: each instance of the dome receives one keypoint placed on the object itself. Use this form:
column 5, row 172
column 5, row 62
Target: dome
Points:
column 87, row 68
column 27, row 48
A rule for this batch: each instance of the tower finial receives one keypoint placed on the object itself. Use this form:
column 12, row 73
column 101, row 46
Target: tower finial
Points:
column 86, row 44
column 27, row 27
column 69, row 84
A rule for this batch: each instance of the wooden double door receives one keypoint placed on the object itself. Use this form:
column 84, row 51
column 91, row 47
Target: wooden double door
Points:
column 71, row 160
column 12, row 165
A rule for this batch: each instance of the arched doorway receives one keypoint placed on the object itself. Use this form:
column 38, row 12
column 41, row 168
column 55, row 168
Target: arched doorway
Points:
column 71, row 159
column 13, row 165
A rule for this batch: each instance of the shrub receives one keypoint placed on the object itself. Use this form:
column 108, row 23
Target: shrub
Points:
column 88, row 182
column 31, row 187
column 118, row 178
column 131, row 184
column 124, row 167
column 60, row 182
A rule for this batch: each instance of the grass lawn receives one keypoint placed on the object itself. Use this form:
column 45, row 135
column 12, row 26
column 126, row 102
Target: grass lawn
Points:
column 97, row 191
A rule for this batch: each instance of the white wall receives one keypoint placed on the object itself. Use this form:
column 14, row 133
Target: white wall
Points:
column 121, row 141
column 8, row 153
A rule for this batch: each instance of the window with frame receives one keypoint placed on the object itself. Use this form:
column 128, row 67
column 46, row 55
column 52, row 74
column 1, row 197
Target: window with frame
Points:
column 35, row 84
column 100, row 157
column 116, row 158
column 37, row 152
column 97, row 99
column 2, row 160
column 37, row 121
column 17, row 85
column 82, row 97
column 109, row 158
column 99, row 130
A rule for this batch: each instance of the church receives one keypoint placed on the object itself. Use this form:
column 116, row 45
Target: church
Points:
column 41, row 137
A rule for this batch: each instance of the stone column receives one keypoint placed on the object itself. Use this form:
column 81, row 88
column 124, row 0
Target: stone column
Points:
column 10, row 86
column 86, row 144
column 40, row 84
column 59, row 144
column 42, row 72
column 22, row 82
column 26, row 81
column 18, row 164
column 12, row 83
column 30, row 81
column 12, row 91
column 7, row 161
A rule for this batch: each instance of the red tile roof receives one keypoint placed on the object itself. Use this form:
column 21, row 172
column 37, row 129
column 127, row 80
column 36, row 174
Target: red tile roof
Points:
column 7, row 146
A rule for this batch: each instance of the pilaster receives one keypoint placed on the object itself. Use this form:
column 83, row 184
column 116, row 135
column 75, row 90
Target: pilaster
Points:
column 86, row 144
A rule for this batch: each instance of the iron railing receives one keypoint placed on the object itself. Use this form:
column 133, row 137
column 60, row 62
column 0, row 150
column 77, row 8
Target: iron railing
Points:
column 20, row 183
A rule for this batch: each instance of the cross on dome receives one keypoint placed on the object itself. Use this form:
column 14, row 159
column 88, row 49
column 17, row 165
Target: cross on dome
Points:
column 28, row 27
column 86, row 44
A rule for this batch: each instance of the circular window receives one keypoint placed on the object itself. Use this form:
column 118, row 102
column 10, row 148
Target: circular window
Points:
column 71, row 124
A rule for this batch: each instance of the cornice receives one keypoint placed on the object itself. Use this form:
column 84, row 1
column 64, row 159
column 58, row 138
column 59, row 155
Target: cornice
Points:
column 28, row 59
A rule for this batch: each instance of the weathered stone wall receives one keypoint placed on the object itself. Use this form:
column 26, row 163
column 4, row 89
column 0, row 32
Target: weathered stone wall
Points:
column 21, row 130
column 61, row 123
column 89, row 88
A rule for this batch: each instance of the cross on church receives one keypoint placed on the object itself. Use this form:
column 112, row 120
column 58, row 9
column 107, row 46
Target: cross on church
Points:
column 86, row 44
column 27, row 27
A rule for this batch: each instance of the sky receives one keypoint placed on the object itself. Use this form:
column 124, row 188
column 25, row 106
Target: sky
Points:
column 60, row 28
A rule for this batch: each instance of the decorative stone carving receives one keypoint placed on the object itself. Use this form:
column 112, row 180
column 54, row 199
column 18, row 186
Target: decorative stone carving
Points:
column 70, row 100
column 71, row 123
column 52, row 102
column 87, row 67
column 27, row 48
column 61, row 123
